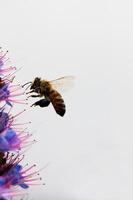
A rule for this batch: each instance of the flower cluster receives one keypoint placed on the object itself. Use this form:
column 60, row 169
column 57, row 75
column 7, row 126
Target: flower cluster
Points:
column 13, row 137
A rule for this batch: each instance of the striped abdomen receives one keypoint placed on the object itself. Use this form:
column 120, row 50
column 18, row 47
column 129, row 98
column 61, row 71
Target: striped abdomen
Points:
column 57, row 102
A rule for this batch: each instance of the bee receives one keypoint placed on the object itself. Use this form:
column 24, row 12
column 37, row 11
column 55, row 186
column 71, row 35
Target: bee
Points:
column 48, row 90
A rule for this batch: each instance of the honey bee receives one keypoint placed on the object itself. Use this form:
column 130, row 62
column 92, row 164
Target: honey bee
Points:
column 49, row 91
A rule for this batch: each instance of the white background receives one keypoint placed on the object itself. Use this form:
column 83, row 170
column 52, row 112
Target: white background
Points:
column 90, row 150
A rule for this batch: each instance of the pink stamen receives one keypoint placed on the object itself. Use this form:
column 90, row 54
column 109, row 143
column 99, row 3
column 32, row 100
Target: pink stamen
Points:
column 35, row 184
column 23, row 139
column 21, row 133
column 12, row 91
column 34, row 179
column 7, row 69
column 18, row 101
column 29, row 145
column 17, row 85
column 19, row 113
column 33, row 166
column 18, row 94
column 21, row 124
column 3, row 55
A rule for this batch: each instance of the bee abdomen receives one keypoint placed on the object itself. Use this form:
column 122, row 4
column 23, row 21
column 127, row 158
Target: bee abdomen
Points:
column 58, row 102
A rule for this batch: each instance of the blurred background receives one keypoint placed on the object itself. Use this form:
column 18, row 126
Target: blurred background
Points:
column 88, row 153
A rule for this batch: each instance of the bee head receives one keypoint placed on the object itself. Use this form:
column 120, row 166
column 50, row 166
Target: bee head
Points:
column 36, row 83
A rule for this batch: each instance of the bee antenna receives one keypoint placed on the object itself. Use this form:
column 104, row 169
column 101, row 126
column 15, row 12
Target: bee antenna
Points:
column 28, row 87
column 16, row 70
column 26, row 84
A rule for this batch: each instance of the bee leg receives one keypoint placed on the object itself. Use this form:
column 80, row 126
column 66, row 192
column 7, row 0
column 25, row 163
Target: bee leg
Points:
column 30, row 92
column 42, row 103
column 33, row 96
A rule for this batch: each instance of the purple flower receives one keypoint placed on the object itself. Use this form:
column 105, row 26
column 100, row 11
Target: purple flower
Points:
column 9, row 141
column 4, row 68
column 11, row 138
column 9, row 92
column 14, row 174
column 4, row 119
column 5, row 194
column 8, row 194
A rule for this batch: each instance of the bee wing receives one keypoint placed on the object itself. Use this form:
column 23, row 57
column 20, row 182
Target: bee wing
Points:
column 63, row 84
